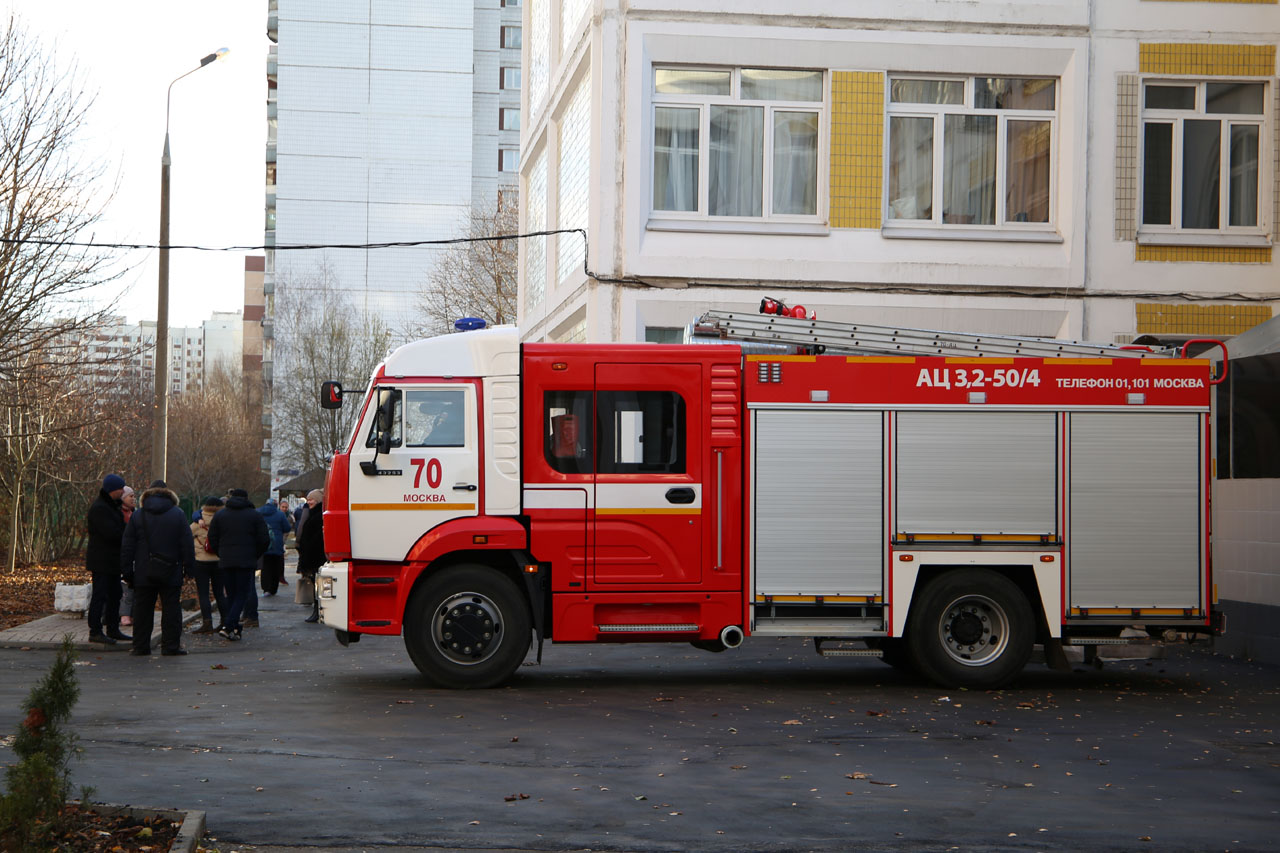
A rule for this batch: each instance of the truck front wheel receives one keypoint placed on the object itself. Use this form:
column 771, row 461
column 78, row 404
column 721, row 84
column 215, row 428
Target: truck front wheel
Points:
column 467, row 627
column 971, row 628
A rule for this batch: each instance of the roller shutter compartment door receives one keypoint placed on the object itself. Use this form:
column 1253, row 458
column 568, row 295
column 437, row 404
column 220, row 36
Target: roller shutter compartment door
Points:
column 818, row 510
column 1134, row 538
column 990, row 473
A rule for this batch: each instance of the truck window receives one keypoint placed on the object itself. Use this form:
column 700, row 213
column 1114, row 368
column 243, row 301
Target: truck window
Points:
column 371, row 439
column 567, row 431
column 435, row 418
column 641, row 432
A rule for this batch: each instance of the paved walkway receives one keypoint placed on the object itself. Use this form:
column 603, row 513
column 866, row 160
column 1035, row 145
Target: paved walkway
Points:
column 47, row 633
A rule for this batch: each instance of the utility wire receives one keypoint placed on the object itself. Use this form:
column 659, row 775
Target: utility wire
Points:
column 395, row 244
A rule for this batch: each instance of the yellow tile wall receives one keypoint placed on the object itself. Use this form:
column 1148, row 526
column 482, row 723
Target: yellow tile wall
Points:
column 1247, row 60
column 857, row 148
column 1212, row 320
column 1206, row 254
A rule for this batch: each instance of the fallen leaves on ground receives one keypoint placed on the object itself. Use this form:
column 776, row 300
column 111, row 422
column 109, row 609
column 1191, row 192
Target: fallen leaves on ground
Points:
column 86, row 831
column 27, row 591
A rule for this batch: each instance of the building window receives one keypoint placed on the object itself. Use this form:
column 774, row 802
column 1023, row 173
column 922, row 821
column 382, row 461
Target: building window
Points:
column 510, row 36
column 742, row 142
column 510, row 3
column 663, row 335
column 509, row 78
column 1200, row 154
column 508, row 119
column 508, row 159
column 971, row 151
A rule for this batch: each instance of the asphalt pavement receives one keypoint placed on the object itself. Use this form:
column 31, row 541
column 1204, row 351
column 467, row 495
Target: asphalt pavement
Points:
column 290, row 742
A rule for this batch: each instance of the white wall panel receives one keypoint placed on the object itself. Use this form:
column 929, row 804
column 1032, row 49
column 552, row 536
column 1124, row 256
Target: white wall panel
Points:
column 322, row 178
column 416, row 13
column 321, row 134
column 324, row 44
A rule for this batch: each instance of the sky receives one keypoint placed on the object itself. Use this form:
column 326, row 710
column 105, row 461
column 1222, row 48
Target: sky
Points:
column 127, row 52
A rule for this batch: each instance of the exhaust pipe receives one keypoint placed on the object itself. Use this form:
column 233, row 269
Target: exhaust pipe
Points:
column 731, row 637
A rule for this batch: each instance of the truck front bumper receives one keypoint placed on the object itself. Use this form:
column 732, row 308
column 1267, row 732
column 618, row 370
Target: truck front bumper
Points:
column 333, row 591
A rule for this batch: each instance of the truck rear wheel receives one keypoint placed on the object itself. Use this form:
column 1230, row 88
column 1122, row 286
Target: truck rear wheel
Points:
column 971, row 628
column 467, row 627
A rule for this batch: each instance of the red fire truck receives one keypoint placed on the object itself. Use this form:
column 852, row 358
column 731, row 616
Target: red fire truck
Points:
column 945, row 502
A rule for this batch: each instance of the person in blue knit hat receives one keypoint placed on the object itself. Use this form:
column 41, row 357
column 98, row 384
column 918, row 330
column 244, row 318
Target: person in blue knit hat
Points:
column 102, row 559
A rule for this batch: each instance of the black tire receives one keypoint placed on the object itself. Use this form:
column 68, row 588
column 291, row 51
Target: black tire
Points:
column 970, row 628
column 468, row 627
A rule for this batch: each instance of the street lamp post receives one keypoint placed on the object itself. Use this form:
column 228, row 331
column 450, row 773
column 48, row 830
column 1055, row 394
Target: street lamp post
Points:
column 160, row 436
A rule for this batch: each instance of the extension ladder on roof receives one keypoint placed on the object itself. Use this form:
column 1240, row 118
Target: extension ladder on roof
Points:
column 825, row 335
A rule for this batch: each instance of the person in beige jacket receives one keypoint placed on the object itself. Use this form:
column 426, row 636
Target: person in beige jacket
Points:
column 207, row 570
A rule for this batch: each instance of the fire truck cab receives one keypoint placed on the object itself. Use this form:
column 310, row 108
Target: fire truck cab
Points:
column 945, row 513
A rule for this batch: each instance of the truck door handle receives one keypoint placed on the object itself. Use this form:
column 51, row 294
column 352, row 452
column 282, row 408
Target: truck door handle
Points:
column 464, row 487
column 681, row 496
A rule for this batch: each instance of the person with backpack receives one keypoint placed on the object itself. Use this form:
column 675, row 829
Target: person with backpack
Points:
column 207, row 573
column 272, row 566
column 157, row 549
column 238, row 534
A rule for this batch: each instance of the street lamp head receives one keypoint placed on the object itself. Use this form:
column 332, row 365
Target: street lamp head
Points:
column 215, row 56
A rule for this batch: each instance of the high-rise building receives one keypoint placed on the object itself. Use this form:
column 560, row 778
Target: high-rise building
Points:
column 388, row 122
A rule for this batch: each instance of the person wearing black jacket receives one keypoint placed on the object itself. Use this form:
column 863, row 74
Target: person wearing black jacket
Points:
column 238, row 535
column 156, row 551
column 102, row 559
column 311, row 554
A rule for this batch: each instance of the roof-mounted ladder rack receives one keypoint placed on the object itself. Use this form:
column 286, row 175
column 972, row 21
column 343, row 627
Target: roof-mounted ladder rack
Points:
column 825, row 335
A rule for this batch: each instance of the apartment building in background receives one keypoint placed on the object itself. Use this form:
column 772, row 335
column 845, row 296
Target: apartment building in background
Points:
column 1104, row 171
column 126, row 351
column 388, row 122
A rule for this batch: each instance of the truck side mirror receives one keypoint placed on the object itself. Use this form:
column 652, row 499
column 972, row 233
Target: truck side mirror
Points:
column 386, row 411
column 330, row 395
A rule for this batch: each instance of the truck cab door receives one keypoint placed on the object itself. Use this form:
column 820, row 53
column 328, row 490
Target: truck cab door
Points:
column 648, row 527
column 430, row 475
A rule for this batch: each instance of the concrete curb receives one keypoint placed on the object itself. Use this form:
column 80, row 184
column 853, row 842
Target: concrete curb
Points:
column 189, row 834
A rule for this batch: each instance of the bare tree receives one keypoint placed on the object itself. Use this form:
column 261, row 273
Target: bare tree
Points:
column 214, row 438
column 476, row 278
column 320, row 335
column 50, row 198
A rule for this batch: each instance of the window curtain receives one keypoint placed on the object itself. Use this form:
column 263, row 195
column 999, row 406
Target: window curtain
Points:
column 1027, row 172
column 675, row 159
column 736, row 161
column 969, row 170
column 910, row 168
column 795, row 163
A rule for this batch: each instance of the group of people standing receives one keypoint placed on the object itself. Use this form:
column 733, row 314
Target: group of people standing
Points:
column 154, row 545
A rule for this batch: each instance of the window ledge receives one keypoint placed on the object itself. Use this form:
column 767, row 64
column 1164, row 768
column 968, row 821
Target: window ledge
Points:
column 899, row 232
column 738, row 226
column 1210, row 239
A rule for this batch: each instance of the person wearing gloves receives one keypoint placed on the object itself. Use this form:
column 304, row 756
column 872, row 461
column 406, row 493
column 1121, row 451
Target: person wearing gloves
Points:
column 238, row 535
column 102, row 559
column 157, row 550
column 207, row 572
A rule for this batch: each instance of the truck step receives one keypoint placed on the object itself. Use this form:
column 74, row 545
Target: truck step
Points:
column 650, row 629
column 776, row 626
column 1107, row 641
column 850, row 653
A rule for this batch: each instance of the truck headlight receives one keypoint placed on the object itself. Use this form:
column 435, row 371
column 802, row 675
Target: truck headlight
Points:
column 326, row 587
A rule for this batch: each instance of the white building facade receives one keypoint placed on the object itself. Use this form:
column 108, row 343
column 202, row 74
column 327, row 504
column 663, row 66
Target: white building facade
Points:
column 121, row 349
column 1057, row 167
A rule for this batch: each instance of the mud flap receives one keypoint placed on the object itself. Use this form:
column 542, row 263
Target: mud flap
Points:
column 535, row 585
column 1054, row 656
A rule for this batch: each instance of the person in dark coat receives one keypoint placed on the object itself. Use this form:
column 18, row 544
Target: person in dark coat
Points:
column 311, row 554
column 238, row 535
column 102, row 559
column 156, row 552
column 278, row 526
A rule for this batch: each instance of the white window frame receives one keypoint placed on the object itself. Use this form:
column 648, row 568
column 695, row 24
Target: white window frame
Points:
column 701, row 218
column 1225, row 234
column 934, row 226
